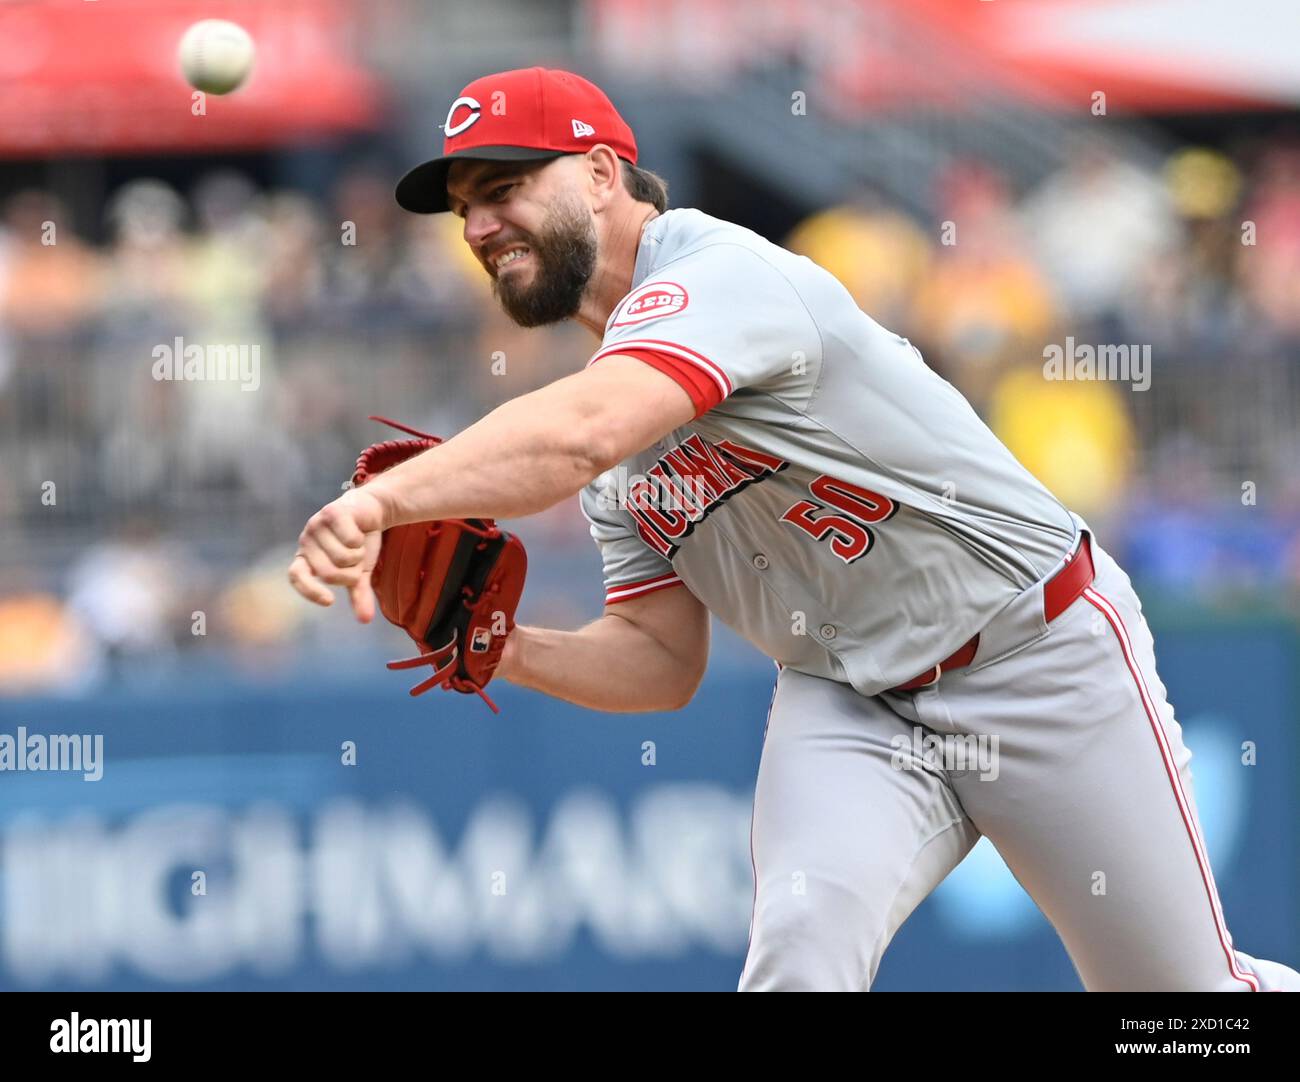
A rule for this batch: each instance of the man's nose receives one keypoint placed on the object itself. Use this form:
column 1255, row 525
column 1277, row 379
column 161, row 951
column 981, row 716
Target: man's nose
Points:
column 480, row 225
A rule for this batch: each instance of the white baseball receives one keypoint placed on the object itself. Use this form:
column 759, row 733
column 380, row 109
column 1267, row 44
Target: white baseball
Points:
column 216, row 56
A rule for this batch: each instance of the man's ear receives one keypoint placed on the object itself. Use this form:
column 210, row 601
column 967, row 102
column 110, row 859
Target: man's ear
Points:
column 605, row 173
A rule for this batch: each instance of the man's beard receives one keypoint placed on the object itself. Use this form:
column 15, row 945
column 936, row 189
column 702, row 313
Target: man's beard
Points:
column 564, row 253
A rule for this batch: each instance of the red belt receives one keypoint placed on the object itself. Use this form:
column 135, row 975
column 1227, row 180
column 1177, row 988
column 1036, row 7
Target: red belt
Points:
column 1061, row 591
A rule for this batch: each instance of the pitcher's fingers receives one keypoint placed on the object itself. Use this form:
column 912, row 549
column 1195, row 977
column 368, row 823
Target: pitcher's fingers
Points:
column 341, row 524
column 340, row 553
column 302, row 580
column 362, row 596
column 325, row 569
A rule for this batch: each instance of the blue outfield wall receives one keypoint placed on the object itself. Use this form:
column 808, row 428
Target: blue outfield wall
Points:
column 548, row 848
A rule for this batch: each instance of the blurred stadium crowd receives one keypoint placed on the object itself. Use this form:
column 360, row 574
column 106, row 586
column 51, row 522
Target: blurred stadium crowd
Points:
column 143, row 519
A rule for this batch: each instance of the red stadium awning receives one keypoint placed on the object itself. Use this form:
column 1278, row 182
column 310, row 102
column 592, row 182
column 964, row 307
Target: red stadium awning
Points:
column 1148, row 56
column 92, row 76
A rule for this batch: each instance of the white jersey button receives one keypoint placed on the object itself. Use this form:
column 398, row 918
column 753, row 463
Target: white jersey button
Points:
column 827, row 631
column 760, row 561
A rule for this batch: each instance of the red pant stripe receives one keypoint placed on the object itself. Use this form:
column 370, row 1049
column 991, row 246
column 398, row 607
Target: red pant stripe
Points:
column 1171, row 770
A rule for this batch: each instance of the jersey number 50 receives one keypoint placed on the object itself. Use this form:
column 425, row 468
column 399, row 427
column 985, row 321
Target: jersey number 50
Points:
column 849, row 533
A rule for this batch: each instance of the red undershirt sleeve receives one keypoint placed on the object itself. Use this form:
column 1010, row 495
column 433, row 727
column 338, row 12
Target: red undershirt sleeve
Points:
column 692, row 372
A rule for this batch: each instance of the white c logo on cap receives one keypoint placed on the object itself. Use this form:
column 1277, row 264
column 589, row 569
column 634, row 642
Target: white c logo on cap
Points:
column 448, row 130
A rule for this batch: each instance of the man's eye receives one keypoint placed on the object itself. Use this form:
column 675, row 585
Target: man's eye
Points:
column 499, row 193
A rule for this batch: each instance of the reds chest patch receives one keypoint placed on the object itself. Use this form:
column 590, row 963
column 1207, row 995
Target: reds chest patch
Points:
column 651, row 301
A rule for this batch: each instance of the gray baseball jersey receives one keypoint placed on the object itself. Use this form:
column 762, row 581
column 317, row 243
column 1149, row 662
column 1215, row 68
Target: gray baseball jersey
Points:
column 831, row 483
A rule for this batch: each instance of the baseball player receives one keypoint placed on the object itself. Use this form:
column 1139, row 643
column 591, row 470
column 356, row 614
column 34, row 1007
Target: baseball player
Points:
column 747, row 442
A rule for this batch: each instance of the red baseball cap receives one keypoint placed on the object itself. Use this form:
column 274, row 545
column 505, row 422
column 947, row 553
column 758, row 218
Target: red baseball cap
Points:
column 529, row 114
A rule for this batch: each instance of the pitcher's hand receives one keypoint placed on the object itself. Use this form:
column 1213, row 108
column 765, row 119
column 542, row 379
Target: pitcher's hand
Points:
column 339, row 547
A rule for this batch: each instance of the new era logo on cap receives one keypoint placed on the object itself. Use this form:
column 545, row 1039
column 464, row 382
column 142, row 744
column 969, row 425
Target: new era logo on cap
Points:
column 522, row 115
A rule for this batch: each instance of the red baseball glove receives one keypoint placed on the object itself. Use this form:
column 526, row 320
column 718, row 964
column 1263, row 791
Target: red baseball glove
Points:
column 453, row 585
